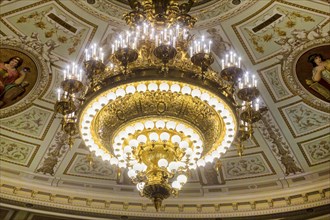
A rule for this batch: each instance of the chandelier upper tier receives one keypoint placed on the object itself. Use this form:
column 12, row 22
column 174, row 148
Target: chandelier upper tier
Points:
column 153, row 106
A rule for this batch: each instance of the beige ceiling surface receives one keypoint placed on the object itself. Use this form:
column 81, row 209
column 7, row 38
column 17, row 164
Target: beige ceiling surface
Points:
column 285, row 165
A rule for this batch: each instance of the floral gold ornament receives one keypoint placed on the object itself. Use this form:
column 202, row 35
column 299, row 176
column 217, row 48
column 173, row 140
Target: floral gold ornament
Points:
column 147, row 112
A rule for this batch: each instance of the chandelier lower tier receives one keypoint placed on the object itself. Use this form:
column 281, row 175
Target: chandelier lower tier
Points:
column 158, row 129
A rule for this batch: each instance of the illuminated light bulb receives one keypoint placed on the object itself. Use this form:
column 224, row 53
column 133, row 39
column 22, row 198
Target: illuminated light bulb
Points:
column 122, row 165
column 188, row 132
column 198, row 144
column 196, row 93
column 215, row 154
column 111, row 96
column 173, row 166
column 164, row 87
column 182, row 179
column 176, row 185
column 152, row 87
column 130, row 89
column 153, row 137
column 225, row 113
column 106, row 157
column 170, row 125
column 205, row 97
column 141, row 88
column 186, row 90
column 117, row 139
column 128, row 150
column 213, row 102
column 89, row 112
column 162, row 163
column 138, row 167
column 113, row 161
column 221, row 150
column 130, row 130
column 180, row 128
column 176, row 139
column 164, row 136
column 142, row 139
column 175, row 88
column 123, row 135
column 139, row 126
column 192, row 166
column 208, row 159
column 103, row 101
column 160, row 124
column 194, row 137
column 201, row 163
column 144, row 167
column 198, row 151
column 219, row 107
column 120, row 92
column 149, row 124
column 184, row 145
column 230, row 126
column 131, row 174
column 96, row 106
column 140, row 186
column 133, row 143
column 188, row 152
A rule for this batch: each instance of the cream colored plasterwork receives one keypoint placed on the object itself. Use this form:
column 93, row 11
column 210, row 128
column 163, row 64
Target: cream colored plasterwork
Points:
column 303, row 119
column 265, row 38
column 271, row 77
column 248, row 166
column 54, row 154
column 32, row 122
column 17, row 152
column 68, row 203
column 80, row 166
column 317, row 150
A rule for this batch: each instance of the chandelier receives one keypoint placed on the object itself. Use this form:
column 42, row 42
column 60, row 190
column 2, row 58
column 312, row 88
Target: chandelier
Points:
column 152, row 105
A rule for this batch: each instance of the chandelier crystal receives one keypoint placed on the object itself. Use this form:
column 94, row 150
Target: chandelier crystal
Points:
column 153, row 106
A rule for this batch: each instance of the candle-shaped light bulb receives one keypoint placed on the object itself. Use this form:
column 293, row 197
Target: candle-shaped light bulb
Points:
column 94, row 50
column 86, row 54
column 222, row 64
column 257, row 105
column 239, row 62
column 246, row 78
column 58, row 94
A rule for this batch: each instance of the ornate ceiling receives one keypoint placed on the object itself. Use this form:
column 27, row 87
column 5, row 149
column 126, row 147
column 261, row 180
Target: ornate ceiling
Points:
column 285, row 167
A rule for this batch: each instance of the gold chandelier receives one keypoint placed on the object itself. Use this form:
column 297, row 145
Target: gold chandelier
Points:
column 154, row 107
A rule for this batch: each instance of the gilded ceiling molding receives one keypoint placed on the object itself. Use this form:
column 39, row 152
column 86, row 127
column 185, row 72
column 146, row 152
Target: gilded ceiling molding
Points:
column 279, row 27
column 94, row 207
column 208, row 13
column 54, row 154
column 279, row 145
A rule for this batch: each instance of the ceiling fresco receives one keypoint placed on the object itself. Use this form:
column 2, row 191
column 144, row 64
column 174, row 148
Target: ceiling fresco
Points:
column 284, row 167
